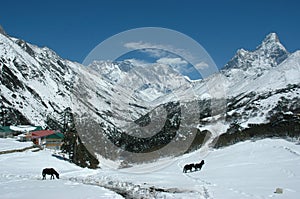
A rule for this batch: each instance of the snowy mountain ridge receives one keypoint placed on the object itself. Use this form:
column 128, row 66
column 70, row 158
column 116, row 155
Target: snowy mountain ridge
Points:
column 117, row 98
column 269, row 53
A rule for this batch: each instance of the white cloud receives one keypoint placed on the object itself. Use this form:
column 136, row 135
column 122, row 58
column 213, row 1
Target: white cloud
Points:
column 138, row 62
column 201, row 66
column 146, row 45
column 158, row 49
column 177, row 61
column 137, row 45
column 176, row 58
column 155, row 53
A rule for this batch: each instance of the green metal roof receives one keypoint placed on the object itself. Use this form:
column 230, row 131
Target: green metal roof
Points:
column 8, row 129
column 38, row 128
column 5, row 129
column 56, row 136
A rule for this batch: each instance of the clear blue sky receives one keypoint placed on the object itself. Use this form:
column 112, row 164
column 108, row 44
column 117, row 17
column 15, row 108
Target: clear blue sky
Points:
column 74, row 28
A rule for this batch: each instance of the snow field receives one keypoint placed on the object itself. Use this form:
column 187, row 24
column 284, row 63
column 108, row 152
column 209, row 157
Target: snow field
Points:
column 244, row 170
column 11, row 144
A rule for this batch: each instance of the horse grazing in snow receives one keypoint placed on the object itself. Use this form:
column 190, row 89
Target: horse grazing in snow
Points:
column 188, row 167
column 198, row 166
column 50, row 171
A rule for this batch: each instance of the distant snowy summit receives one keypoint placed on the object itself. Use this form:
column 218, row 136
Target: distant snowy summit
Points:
column 269, row 53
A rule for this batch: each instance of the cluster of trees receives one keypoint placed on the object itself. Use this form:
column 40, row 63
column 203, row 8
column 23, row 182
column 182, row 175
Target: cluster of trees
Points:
column 72, row 143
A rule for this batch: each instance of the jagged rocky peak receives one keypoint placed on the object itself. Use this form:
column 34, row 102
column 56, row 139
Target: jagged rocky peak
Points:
column 272, row 48
column 272, row 37
column 107, row 69
column 102, row 66
column 269, row 53
column 109, row 66
column 271, row 43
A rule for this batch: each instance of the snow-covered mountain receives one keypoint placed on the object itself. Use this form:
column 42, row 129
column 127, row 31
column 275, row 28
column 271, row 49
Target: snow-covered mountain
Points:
column 147, row 82
column 35, row 82
column 128, row 104
column 247, row 66
column 37, row 86
column 263, row 90
column 268, row 54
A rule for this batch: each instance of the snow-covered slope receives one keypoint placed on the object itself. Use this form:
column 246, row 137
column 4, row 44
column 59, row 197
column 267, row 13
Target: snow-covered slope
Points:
column 245, row 170
column 34, row 82
column 21, row 176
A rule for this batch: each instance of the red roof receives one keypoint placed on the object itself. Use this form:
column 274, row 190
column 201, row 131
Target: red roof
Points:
column 43, row 133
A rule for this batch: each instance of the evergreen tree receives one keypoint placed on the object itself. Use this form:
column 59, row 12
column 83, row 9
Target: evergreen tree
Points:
column 73, row 145
column 2, row 114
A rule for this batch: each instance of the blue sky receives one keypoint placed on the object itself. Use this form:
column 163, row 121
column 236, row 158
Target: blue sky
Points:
column 74, row 28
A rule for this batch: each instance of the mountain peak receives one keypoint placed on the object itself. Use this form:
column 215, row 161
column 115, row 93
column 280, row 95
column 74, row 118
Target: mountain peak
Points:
column 269, row 53
column 271, row 43
column 272, row 37
column 272, row 49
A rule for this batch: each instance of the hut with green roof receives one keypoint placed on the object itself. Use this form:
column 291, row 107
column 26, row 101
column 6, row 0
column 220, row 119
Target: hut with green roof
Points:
column 6, row 132
column 54, row 141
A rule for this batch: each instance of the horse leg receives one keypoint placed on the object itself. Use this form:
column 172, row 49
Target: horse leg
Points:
column 44, row 177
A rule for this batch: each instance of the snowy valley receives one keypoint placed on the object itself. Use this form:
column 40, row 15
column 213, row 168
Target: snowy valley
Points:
column 245, row 170
column 144, row 123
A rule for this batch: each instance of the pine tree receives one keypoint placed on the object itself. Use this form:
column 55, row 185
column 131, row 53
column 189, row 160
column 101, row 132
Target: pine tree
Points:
column 70, row 134
column 73, row 145
column 2, row 114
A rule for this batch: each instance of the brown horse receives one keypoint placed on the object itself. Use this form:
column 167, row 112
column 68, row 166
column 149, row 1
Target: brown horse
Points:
column 50, row 171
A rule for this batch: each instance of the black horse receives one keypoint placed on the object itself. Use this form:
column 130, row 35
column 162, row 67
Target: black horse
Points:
column 198, row 166
column 50, row 171
column 188, row 167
